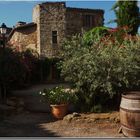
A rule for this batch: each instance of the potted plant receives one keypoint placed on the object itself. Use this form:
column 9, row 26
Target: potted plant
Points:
column 59, row 99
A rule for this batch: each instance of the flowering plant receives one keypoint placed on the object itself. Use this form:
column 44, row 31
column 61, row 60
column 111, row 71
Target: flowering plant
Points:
column 101, row 66
column 59, row 95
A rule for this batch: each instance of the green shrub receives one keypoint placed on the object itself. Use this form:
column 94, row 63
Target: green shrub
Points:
column 59, row 95
column 13, row 70
column 21, row 69
column 105, row 67
column 97, row 108
column 94, row 34
column 45, row 68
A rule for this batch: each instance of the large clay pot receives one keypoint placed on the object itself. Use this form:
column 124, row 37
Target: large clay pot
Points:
column 59, row 111
column 130, row 114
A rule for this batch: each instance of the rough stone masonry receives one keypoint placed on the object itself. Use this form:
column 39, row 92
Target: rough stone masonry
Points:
column 52, row 23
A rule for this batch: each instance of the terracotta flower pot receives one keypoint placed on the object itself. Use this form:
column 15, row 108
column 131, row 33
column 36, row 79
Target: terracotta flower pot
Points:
column 59, row 111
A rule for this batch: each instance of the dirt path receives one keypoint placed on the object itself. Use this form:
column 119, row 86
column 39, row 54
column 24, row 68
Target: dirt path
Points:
column 44, row 125
column 34, row 89
column 22, row 121
column 32, row 99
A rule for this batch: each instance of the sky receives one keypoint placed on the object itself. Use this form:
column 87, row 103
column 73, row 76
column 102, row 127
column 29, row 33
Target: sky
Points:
column 13, row 11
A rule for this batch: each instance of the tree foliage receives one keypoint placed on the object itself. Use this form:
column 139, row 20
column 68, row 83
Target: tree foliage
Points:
column 12, row 66
column 127, row 14
column 12, row 70
column 105, row 67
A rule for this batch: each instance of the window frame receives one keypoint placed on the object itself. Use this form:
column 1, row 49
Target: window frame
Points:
column 54, row 37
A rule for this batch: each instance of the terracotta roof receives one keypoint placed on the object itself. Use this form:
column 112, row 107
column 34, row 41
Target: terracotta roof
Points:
column 25, row 25
column 21, row 27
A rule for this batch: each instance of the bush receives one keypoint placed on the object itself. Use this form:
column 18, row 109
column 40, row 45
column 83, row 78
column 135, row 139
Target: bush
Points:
column 97, row 108
column 31, row 60
column 12, row 69
column 48, row 65
column 59, row 95
column 94, row 34
column 106, row 67
column 21, row 69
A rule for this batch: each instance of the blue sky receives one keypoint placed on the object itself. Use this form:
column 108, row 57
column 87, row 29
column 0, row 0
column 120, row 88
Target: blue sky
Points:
column 13, row 11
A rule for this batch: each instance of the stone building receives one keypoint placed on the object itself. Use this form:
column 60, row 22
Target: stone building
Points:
column 23, row 36
column 52, row 23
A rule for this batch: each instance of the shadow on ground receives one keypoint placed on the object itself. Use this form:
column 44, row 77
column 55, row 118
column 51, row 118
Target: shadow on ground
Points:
column 26, row 125
column 28, row 122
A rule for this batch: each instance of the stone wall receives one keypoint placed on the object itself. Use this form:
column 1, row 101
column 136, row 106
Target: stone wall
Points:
column 36, row 19
column 55, row 16
column 74, row 20
column 51, row 18
column 24, row 38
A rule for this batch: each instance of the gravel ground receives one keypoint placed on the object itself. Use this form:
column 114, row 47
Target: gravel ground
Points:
column 25, row 122
column 29, row 124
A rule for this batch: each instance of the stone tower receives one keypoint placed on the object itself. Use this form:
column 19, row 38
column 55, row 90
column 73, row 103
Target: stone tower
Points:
column 50, row 19
column 55, row 22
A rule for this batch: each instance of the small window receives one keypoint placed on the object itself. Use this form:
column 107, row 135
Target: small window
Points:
column 88, row 21
column 54, row 37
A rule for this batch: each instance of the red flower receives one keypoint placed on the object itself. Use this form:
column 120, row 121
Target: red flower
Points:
column 112, row 30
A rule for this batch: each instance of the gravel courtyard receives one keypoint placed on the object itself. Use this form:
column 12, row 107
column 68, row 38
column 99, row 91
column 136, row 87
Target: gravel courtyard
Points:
column 26, row 117
column 29, row 124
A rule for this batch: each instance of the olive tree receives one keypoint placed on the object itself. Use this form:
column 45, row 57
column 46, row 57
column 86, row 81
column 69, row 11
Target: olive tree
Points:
column 105, row 67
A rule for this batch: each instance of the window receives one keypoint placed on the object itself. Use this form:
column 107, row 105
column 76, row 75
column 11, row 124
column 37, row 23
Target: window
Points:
column 54, row 37
column 88, row 21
